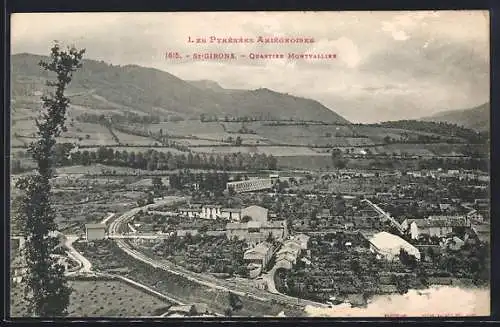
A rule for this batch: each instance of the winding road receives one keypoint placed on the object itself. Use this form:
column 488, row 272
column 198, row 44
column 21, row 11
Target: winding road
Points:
column 116, row 227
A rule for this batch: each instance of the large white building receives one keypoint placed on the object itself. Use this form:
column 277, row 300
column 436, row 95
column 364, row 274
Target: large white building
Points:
column 250, row 185
column 388, row 246
column 257, row 213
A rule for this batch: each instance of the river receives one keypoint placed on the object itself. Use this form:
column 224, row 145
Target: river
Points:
column 434, row 301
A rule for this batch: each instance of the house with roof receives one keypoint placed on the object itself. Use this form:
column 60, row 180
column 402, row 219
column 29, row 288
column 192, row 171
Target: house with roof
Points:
column 285, row 260
column 388, row 246
column 480, row 233
column 254, row 232
column 191, row 212
column 19, row 267
column 438, row 226
column 290, row 246
column 474, row 215
column 233, row 214
column 302, row 240
column 288, row 254
column 453, row 243
column 94, row 232
column 210, row 211
column 259, row 255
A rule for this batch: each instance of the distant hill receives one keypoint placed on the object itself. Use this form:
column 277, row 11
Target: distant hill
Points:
column 99, row 85
column 207, row 85
column 477, row 118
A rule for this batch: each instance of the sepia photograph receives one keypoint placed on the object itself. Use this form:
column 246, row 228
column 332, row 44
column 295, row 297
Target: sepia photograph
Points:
column 203, row 165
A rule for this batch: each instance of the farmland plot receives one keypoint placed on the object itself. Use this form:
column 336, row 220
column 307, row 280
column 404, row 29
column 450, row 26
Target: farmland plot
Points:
column 87, row 134
column 305, row 161
column 130, row 139
column 135, row 149
column 101, row 298
column 187, row 127
column 312, row 135
column 399, row 149
column 268, row 150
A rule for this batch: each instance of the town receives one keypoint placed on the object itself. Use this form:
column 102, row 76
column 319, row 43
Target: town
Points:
column 324, row 237
column 145, row 186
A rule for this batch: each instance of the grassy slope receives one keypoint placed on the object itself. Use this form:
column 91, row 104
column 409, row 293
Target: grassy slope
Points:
column 477, row 118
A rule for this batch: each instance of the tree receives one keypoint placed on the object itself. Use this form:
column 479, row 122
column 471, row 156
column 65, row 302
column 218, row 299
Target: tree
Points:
column 150, row 199
column 235, row 302
column 157, row 184
column 270, row 238
column 46, row 289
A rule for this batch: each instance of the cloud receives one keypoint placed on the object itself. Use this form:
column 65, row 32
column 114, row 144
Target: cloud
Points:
column 443, row 63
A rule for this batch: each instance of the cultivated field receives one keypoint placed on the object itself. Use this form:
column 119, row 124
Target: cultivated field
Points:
column 101, row 298
column 277, row 151
column 137, row 149
column 130, row 139
column 188, row 127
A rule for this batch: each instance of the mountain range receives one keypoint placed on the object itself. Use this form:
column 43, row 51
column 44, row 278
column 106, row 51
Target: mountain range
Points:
column 477, row 118
column 99, row 85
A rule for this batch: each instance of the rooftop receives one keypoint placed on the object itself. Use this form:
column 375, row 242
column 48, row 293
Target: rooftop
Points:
column 255, row 207
column 95, row 226
column 261, row 249
column 441, row 222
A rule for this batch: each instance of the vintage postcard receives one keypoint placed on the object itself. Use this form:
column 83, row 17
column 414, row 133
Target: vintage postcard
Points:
column 250, row 164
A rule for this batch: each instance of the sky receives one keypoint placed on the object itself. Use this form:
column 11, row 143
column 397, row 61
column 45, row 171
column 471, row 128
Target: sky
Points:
column 388, row 66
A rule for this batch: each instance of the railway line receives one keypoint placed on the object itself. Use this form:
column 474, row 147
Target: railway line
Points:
column 115, row 230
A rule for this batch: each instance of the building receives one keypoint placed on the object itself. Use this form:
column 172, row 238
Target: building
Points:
column 255, row 212
column 261, row 283
column 184, row 232
column 287, row 256
column 437, row 226
column 388, row 246
column 274, row 178
column 210, row 211
column 231, row 214
column 302, row 240
column 254, row 270
column 254, row 232
column 285, row 260
column 475, row 215
column 453, row 243
column 259, row 255
column 94, row 232
column 194, row 212
column 481, row 233
column 290, row 246
column 250, row 185
column 19, row 267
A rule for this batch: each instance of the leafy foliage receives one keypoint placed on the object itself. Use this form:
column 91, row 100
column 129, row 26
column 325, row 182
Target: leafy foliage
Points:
column 46, row 290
